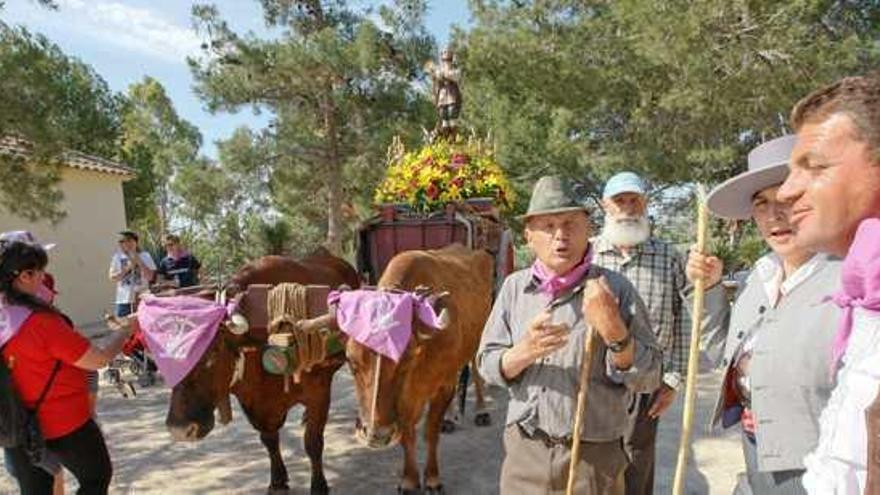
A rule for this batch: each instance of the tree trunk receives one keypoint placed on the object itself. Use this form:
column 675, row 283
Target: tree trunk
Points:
column 333, row 178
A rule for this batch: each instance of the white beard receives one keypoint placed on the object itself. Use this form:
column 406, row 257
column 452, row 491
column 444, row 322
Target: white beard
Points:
column 626, row 231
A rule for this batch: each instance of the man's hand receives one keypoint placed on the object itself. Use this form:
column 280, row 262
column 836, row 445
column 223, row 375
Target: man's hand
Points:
column 701, row 266
column 544, row 338
column 601, row 311
column 541, row 339
column 664, row 398
column 749, row 421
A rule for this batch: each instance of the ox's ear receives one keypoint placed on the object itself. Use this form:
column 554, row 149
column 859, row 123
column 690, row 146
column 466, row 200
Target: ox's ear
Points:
column 436, row 317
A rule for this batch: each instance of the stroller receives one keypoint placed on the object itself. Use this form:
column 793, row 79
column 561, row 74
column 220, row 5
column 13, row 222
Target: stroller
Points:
column 135, row 360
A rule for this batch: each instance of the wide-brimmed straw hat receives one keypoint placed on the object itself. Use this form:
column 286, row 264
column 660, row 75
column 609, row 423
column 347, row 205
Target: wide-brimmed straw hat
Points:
column 768, row 167
column 552, row 194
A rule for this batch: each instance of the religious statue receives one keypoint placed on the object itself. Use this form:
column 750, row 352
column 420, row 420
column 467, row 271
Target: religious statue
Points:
column 446, row 93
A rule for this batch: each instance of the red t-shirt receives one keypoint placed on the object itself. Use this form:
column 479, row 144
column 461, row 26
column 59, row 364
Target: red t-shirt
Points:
column 43, row 339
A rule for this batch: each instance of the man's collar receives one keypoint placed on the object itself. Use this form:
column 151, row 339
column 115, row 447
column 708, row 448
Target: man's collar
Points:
column 534, row 285
column 604, row 246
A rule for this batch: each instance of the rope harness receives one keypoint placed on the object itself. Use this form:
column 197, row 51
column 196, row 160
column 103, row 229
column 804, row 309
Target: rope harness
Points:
column 287, row 305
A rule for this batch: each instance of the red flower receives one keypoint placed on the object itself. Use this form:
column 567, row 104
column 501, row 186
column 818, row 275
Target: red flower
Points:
column 460, row 159
column 432, row 192
column 458, row 182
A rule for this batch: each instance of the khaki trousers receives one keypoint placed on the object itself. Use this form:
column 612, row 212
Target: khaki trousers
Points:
column 532, row 467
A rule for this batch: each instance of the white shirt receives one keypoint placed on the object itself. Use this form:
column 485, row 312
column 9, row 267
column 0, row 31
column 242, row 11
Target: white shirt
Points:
column 132, row 283
column 838, row 466
column 772, row 275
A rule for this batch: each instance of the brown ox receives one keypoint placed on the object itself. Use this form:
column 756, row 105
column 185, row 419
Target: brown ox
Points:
column 428, row 371
column 262, row 396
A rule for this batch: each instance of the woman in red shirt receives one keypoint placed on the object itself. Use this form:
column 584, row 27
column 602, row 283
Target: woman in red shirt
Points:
column 44, row 339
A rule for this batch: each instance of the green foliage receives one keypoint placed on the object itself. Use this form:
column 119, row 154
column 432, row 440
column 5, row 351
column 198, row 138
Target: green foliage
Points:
column 161, row 147
column 677, row 90
column 339, row 89
column 56, row 103
column 741, row 254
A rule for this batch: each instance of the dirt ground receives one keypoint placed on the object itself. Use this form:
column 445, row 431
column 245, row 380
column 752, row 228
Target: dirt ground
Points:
column 232, row 460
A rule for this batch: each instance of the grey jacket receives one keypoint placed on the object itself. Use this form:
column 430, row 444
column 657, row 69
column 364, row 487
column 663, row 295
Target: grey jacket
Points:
column 544, row 396
column 790, row 366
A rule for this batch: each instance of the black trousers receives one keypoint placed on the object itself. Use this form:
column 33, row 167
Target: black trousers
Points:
column 82, row 452
column 640, row 441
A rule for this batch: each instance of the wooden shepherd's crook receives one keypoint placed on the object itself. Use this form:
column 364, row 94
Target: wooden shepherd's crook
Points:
column 586, row 365
column 694, row 354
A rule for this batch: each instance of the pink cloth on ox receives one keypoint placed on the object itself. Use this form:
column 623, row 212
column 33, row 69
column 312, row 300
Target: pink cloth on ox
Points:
column 177, row 331
column 382, row 320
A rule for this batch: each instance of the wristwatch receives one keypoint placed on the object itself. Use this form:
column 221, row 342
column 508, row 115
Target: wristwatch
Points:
column 672, row 380
column 620, row 345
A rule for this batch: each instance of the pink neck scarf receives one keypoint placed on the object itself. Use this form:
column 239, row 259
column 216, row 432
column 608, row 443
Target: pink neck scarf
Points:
column 380, row 320
column 860, row 283
column 552, row 284
column 177, row 331
column 12, row 317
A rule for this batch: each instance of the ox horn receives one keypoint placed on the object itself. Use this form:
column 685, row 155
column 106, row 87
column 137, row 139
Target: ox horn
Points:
column 324, row 321
column 238, row 324
column 443, row 319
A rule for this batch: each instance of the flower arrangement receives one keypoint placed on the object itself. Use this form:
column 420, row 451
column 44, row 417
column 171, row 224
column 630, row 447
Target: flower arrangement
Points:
column 443, row 172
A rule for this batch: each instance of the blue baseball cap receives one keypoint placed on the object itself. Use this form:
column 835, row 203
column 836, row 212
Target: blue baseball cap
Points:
column 623, row 182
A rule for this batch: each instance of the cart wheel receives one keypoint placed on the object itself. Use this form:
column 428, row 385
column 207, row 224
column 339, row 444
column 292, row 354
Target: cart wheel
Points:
column 483, row 419
column 448, row 426
column 135, row 367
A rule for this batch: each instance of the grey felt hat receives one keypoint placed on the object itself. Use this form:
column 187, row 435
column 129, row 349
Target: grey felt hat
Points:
column 552, row 194
column 768, row 167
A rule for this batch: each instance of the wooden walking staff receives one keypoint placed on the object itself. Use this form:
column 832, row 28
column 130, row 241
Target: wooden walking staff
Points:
column 694, row 354
column 586, row 366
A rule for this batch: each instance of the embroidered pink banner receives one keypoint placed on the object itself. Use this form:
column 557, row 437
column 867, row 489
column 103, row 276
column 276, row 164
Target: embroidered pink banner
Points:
column 177, row 331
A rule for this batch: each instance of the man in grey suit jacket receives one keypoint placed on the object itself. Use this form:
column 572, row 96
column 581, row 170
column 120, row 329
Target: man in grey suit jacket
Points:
column 773, row 343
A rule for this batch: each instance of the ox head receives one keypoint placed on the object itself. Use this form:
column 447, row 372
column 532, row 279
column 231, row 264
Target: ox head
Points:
column 382, row 386
column 207, row 387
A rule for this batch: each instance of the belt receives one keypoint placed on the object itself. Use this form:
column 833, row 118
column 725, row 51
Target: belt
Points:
column 547, row 440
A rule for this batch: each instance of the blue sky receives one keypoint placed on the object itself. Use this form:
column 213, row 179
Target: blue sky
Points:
column 125, row 40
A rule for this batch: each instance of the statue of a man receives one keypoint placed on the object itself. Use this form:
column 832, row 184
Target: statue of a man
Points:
column 447, row 95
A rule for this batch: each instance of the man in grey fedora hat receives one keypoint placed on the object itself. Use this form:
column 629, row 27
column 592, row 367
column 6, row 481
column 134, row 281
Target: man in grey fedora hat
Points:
column 533, row 346
column 773, row 343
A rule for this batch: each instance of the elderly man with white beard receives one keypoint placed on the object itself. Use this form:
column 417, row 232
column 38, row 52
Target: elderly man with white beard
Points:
column 657, row 271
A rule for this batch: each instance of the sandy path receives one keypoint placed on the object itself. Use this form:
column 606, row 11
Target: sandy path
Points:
column 232, row 460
